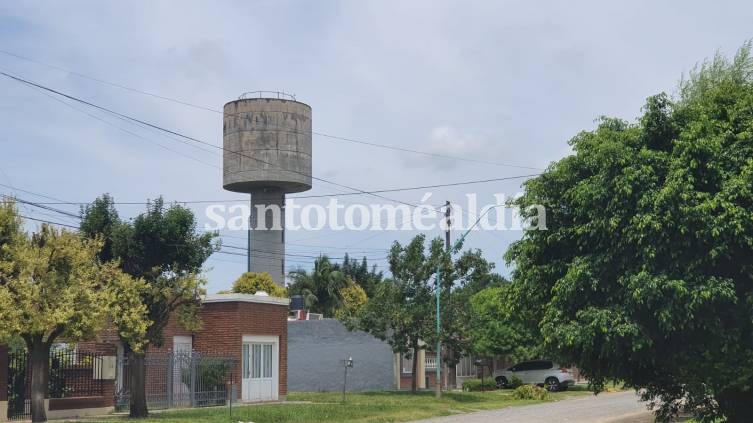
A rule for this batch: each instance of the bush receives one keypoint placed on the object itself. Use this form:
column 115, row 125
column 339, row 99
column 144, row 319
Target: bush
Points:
column 251, row 283
column 515, row 382
column 472, row 385
column 210, row 374
column 531, row 392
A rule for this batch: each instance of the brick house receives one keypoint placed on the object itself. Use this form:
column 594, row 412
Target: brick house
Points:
column 250, row 329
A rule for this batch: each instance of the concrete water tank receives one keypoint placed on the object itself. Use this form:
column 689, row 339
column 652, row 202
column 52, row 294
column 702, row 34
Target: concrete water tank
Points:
column 273, row 137
column 267, row 154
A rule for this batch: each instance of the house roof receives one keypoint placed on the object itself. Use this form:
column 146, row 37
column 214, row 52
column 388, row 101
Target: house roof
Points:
column 245, row 298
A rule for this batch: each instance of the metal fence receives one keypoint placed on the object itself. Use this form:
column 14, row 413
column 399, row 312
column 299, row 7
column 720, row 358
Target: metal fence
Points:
column 72, row 374
column 75, row 373
column 19, row 384
column 175, row 380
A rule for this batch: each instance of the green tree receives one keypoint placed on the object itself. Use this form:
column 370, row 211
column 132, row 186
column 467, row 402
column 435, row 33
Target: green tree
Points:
column 52, row 286
column 320, row 287
column 462, row 278
column 251, row 283
column 161, row 247
column 401, row 311
column 353, row 299
column 367, row 278
column 493, row 327
column 646, row 273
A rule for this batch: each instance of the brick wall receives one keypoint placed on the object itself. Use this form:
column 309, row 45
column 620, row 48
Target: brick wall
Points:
column 223, row 327
column 267, row 319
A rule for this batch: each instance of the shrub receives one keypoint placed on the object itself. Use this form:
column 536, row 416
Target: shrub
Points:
column 472, row 385
column 251, row 283
column 531, row 392
column 515, row 382
column 210, row 374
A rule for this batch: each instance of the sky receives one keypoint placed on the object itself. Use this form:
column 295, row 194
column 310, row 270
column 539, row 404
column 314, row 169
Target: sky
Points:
column 505, row 82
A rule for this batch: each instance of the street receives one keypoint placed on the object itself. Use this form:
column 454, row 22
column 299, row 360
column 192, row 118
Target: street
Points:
column 619, row 407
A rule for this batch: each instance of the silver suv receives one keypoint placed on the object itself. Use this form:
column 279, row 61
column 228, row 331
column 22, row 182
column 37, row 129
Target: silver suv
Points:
column 537, row 372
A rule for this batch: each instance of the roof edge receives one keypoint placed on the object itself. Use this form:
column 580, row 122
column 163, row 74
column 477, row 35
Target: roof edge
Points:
column 244, row 298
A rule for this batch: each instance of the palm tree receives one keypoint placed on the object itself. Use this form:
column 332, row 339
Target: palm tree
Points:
column 321, row 287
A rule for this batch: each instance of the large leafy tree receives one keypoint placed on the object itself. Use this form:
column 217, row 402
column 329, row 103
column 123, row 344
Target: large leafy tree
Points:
column 162, row 247
column 402, row 310
column 494, row 329
column 461, row 279
column 52, row 287
column 646, row 271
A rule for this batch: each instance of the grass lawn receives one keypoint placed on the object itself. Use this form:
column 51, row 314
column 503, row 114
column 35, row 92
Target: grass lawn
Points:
column 360, row 407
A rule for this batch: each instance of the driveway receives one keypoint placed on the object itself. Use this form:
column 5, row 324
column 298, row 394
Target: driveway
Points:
column 618, row 407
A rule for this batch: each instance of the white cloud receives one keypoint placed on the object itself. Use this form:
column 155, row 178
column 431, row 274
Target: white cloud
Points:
column 449, row 141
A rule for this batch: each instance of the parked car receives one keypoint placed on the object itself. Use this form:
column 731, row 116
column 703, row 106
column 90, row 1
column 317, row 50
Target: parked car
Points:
column 536, row 372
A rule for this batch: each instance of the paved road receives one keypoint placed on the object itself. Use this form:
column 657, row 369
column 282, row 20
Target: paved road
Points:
column 622, row 407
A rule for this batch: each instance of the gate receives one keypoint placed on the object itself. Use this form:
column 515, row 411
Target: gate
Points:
column 19, row 386
column 73, row 373
column 178, row 380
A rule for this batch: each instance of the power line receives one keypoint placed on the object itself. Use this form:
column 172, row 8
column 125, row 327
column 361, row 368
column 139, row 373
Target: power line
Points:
column 102, row 81
column 48, row 221
column 59, row 201
column 71, row 215
column 278, row 253
column 343, row 194
column 425, row 153
column 298, row 261
column 41, row 206
column 267, row 253
column 152, row 125
column 214, row 110
column 93, row 116
column 36, row 212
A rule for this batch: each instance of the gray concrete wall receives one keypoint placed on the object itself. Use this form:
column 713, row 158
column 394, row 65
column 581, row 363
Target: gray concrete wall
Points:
column 315, row 348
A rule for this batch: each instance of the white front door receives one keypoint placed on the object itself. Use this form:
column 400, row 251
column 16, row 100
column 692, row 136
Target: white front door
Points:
column 182, row 347
column 260, row 368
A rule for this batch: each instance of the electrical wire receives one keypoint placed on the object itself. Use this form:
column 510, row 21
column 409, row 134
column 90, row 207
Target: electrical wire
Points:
column 155, row 126
column 48, row 221
column 214, row 110
column 344, row 194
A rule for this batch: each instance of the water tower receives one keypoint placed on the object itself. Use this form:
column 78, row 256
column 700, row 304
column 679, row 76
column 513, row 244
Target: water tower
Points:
column 267, row 153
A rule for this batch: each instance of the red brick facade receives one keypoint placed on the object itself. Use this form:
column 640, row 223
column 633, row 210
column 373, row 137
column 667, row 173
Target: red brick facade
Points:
column 225, row 323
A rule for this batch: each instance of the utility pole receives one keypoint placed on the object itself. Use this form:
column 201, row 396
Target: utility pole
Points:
column 447, row 214
column 438, row 375
column 438, row 289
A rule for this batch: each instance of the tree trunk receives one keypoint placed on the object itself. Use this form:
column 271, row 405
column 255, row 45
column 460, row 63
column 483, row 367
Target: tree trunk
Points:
column 39, row 361
column 137, row 385
column 735, row 404
column 414, row 375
